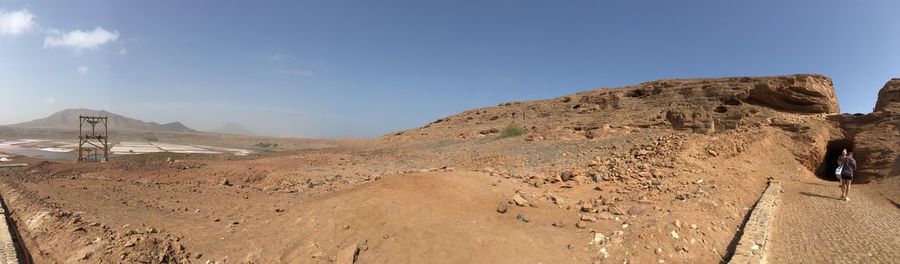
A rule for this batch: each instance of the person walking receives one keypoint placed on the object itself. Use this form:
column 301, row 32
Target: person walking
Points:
column 847, row 167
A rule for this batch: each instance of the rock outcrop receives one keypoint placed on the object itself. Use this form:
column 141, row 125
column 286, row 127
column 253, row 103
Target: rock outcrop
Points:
column 707, row 105
column 876, row 136
column 889, row 97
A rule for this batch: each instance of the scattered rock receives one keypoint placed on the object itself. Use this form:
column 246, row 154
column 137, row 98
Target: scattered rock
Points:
column 713, row 153
column 586, row 206
column 519, row 200
column 605, row 216
column 674, row 234
column 558, row 224
column 523, row 218
column 615, row 210
column 566, row 176
column 588, row 218
column 224, row 181
column 347, row 255
column 596, row 177
column 581, row 224
column 502, row 207
column 636, row 210
column 597, row 238
column 363, row 245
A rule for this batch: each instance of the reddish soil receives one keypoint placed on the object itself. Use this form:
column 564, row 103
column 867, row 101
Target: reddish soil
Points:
column 578, row 187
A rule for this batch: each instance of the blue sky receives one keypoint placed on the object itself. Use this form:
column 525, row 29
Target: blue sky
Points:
column 365, row 68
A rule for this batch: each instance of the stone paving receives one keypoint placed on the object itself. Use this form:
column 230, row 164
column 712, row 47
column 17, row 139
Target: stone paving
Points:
column 813, row 226
column 751, row 247
column 7, row 245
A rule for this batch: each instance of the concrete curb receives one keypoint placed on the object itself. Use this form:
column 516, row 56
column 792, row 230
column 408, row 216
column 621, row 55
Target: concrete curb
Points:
column 752, row 246
column 8, row 253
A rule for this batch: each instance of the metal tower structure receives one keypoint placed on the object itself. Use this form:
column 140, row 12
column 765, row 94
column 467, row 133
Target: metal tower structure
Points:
column 100, row 142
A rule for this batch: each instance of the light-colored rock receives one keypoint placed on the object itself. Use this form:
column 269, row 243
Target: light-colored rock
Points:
column 347, row 255
column 519, row 200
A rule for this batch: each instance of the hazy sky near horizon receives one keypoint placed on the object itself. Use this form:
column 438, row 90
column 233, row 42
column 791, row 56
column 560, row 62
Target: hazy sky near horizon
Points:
column 365, row 68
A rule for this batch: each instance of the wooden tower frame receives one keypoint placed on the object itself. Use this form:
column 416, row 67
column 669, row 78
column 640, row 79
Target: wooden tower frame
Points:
column 102, row 140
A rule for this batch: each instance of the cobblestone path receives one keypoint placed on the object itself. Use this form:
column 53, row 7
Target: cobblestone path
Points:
column 813, row 226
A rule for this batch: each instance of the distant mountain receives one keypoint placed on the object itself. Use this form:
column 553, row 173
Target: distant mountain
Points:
column 232, row 128
column 68, row 119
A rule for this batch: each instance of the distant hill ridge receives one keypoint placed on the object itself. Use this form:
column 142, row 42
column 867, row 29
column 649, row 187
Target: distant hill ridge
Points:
column 68, row 119
column 233, row 128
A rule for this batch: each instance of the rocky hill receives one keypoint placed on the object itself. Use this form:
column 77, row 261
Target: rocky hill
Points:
column 803, row 106
column 68, row 120
column 698, row 105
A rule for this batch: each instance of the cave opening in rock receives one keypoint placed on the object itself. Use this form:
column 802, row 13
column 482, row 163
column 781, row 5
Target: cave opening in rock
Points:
column 832, row 152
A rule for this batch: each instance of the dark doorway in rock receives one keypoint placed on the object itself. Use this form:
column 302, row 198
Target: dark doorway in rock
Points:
column 832, row 153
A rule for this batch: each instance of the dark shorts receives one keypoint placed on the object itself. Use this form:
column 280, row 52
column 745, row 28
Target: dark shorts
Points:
column 847, row 177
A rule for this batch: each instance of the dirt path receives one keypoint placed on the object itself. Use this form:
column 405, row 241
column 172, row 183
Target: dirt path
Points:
column 813, row 226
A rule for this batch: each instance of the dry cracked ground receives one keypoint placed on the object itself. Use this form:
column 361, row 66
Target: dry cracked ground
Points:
column 660, row 172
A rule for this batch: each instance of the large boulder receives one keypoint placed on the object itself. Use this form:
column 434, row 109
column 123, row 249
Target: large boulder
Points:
column 889, row 97
column 798, row 93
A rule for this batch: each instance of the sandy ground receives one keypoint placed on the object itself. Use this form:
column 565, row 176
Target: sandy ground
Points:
column 662, row 172
column 673, row 201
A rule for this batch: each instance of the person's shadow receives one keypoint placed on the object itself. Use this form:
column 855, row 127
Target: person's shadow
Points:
column 819, row 195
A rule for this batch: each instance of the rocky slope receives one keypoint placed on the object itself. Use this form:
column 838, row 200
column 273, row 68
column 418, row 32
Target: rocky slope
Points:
column 68, row 120
column 698, row 105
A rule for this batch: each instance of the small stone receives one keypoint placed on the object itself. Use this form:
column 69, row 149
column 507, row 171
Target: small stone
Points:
column 677, row 223
column 598, row 238
column 224, row 181
column 596, row 177
column 674, row 234
column 519, row 200
column 581, row 224
column 566, row 175
column 615, row 210
column 605, row 216
column 693, row 226
column 279, row 210
column 363, row 245
column 586, row 206
column 636, row 210
column 347, row 255
column 523, row 218
column 502, row 207
column 712, row 153
column 557, row 200
column 588, row 218
column 558, row 224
